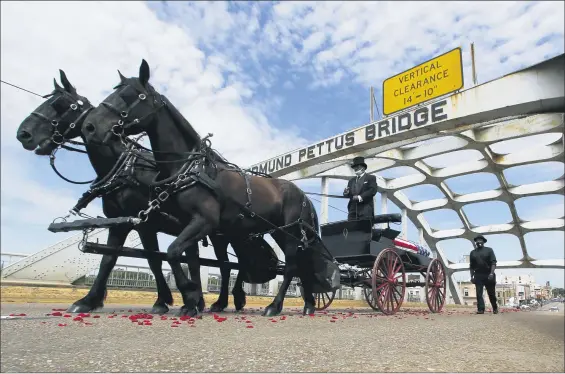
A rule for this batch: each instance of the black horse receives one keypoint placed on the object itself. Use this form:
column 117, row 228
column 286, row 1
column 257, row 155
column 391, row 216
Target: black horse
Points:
column 204, row 191
column 54, row 123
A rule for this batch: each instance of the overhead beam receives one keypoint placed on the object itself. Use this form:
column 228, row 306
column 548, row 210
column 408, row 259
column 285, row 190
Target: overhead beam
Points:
column 537, row 89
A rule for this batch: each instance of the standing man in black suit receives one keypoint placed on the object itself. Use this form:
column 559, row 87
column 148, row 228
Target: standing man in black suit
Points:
column 482, row 266
column 360, row 190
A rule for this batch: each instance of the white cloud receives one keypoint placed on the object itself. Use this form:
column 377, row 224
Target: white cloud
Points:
column 96, row 39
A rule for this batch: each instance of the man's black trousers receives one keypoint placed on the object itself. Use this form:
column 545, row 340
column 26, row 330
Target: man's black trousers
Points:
column 481, row 282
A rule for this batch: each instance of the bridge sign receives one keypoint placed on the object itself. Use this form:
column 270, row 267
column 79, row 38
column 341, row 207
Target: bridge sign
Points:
column 429, row 80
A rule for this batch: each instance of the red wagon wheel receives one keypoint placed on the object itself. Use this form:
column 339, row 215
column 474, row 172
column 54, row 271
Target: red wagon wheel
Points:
column 388, row 281
column 322, row 300
column 435, row 286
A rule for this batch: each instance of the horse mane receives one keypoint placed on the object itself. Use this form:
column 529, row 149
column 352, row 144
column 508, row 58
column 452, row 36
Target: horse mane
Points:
column 185, row 126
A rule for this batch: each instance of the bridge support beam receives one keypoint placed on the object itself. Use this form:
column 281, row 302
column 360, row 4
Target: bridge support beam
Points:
column 324, row 201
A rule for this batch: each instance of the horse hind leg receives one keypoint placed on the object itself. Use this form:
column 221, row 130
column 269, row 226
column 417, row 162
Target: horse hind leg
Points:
column 289, row 246
column 238, row 293
column 220, row 244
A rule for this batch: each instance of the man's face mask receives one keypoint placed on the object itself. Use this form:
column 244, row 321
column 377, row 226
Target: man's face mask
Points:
column 479, row 243
column 359, row 170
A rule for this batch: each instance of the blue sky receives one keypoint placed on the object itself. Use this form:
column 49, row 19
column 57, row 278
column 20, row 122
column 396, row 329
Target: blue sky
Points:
column 265, row 78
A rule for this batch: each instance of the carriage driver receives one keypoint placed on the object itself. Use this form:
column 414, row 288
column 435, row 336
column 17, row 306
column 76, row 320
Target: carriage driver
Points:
column 360, row 189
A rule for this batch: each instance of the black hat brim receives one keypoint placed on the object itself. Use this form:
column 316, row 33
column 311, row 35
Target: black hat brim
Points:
column 359, row 164
column 480, row 237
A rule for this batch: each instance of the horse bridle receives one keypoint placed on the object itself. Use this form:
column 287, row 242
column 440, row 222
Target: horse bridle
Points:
column 57, row 137
column 119, row 128
column 61, row 139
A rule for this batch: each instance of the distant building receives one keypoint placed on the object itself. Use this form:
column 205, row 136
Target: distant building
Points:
column 504, row 292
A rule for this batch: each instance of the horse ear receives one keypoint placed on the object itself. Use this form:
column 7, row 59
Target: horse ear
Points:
column 68, row 86
column 122, row 78
column 57, row 87
column 144, row 73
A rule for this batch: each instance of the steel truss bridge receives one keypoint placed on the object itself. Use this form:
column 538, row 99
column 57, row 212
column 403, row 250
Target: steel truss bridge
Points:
column 519, row 105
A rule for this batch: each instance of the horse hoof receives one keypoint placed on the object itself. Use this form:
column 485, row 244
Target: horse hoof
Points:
column 217, row 308
column 201, row 305
column 185, row 311
column 159, row 309
column 81, row 308
column 271, row 311
column 309, row 309
column 239, row 304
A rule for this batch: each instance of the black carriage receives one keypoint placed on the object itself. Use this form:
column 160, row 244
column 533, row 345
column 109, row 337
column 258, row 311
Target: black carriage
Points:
column 370, row 258
column 366, row 257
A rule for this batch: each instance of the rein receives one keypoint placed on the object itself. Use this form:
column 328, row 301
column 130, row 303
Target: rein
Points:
column 61, row 139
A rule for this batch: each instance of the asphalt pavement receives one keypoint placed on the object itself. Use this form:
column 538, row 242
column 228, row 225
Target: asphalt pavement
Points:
column 125, row 339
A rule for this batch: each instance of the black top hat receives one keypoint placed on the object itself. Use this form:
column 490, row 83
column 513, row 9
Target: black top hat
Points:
column 359, row 161
column 480, row 237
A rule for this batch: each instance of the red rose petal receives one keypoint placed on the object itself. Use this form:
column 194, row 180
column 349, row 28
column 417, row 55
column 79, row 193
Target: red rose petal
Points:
column 248, row 322
column 332, row 320
column 67, row 316
column 174, row 325
column 57, row 314
column 249, row 326
column 62, row 324
column 129, row 310
column 77, row 319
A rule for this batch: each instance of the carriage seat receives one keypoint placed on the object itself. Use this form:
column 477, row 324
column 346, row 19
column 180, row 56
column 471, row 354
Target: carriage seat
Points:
column 387, row 218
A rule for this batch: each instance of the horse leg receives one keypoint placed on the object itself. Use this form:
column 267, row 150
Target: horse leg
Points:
column 194, row 270
column 164, row 296
column 197, row 229
column 94, row 299
column 289, row 247
column 238, row 293
column 220, row 244
column 309, row 300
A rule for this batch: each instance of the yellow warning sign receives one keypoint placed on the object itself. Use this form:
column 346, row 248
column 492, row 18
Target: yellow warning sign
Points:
column 433, row 78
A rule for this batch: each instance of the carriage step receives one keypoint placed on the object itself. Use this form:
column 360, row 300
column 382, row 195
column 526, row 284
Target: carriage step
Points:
column 92, row 223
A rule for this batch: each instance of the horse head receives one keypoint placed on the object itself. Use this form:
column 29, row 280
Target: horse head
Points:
column 57, row 120
column 131, row 109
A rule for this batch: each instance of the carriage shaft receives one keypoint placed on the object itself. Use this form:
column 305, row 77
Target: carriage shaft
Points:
column 104, row 249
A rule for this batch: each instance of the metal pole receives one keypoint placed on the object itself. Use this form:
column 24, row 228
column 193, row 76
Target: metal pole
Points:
column 324, row 201
column 473, row 64
column 372, row 113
